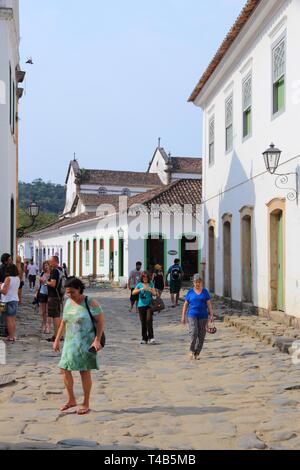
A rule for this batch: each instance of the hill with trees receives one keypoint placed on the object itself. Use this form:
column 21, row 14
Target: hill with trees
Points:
column 49, row 196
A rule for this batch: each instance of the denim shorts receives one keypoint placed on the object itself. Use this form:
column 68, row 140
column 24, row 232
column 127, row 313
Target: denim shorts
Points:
column 11, row 309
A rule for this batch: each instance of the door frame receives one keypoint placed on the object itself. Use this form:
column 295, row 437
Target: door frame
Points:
column 274, row 206
column 227, row 219
column 246, row 212
column 147, row 237
column 211, row 226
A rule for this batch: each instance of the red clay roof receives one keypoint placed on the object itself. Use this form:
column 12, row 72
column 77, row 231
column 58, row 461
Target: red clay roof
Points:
column 119, row 178
column 184, row 191
column 243, row 18
column 186, row 165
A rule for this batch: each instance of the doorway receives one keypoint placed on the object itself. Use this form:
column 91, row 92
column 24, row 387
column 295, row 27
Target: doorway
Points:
column 111, row 259
column 80, row 258
column 227, row 258
column 247, row 259
column 277, row 261
column 189, row 257
column 155, row 252
column 211, row 258
column 94, row 258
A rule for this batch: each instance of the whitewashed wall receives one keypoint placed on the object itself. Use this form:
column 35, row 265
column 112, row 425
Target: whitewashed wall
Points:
column 9, row 54
column 252, row 52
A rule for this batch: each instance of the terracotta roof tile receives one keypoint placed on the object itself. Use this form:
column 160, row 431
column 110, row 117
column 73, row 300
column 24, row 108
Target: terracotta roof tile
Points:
column 119, row 178
column 182, row 192
column 241, row 21
column 187, row 165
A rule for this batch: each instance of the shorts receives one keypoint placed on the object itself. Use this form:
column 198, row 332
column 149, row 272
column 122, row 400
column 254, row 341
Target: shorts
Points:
column 11, row 309
column 134, row 298
column 54, row 307
column 175, row 287
column 42, row 299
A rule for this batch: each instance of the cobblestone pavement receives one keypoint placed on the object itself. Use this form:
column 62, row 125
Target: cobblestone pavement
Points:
column 152, row 397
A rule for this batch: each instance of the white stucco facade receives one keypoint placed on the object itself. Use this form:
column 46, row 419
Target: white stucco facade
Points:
column 98, row 242
column 9, row 60
column 237, row 179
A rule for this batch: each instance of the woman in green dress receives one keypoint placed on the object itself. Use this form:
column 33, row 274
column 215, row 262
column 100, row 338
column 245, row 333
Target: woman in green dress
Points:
column 79, row 333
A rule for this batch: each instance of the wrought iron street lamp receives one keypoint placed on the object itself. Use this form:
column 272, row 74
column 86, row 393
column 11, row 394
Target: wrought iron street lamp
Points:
column 272, row 160
column 33, row 212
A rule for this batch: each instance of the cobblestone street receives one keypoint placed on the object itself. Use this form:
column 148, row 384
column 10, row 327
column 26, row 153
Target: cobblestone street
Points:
column 152, row 397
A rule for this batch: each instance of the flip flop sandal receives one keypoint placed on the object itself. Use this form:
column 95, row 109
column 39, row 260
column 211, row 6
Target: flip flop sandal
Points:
column 67, row 407
column 83, row 412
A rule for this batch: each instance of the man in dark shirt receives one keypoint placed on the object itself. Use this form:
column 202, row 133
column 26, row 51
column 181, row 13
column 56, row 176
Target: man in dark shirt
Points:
column 54, row 298
column 5, row 260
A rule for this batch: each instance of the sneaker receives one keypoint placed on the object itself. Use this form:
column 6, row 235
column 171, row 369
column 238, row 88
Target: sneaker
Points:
column 143, row 342
column 152, row 341
column 197, row 357
column 192, row 356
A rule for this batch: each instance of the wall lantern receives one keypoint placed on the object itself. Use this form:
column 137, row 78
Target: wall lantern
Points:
column 272, row 160
column 33, row 211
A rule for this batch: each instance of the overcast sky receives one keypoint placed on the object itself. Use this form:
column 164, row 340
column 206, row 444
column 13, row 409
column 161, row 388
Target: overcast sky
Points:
column 110, row 77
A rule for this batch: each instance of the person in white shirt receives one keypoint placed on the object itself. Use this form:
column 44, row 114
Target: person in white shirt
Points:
column 32, row 273
column 9, row 291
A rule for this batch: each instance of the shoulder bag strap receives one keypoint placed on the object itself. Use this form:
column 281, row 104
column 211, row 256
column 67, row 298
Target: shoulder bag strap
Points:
column 90, row 314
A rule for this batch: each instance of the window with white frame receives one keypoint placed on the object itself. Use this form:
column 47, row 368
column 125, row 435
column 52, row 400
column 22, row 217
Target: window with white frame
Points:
column 211, row 151
column 229, row 123
column 247, row 106
column 279, row 61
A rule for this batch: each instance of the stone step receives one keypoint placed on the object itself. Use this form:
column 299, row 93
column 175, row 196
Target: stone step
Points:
column 267, row 331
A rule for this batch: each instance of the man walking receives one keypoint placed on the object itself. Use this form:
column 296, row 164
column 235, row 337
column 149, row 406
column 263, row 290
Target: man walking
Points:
column 32, row 273
column 134, row 279
column 54, row 285
column 176, row 275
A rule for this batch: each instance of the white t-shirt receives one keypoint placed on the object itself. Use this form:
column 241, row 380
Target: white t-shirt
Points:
column 12, row 294
column 33, row 269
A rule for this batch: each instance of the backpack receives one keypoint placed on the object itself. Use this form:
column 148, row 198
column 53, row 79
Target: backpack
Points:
column 176, row 273
column 61, row 285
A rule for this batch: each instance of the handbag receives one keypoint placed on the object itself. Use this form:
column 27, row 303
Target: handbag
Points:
column 157, row 304
column 211, row 328
column 3, row 307
column 103, row 337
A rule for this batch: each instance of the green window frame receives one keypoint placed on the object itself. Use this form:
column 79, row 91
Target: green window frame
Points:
column 279, row 80
column 229, row 124
column 247, row 106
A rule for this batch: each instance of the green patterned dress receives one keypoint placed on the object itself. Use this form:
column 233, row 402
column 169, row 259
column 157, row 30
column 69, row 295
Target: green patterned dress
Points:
column 79, row 336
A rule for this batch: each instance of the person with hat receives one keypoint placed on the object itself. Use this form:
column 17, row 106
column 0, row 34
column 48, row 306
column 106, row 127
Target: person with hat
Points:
column 159, row 279
column 196, row 311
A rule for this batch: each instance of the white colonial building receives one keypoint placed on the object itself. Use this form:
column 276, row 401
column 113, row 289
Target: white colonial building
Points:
column 10, row 77
column 250, row 96
column 112, row 219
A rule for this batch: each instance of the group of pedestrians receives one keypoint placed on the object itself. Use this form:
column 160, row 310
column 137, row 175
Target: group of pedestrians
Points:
column 197, row 309
column 80, row 320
